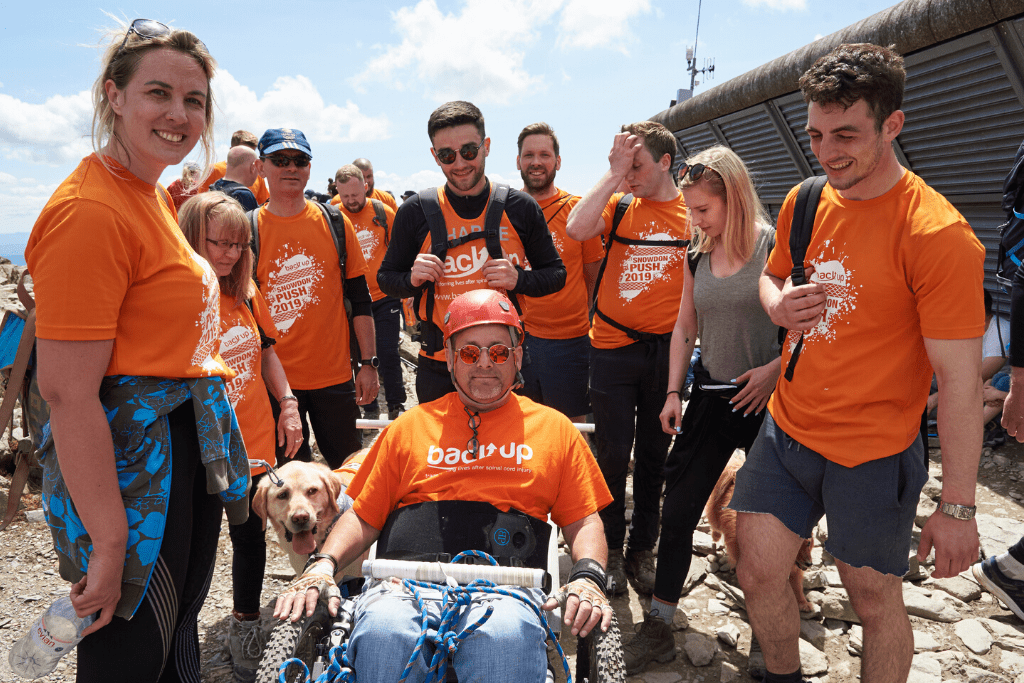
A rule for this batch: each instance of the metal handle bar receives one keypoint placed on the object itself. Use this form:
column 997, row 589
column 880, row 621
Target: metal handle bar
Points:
column 382, row 423
column 437, row 572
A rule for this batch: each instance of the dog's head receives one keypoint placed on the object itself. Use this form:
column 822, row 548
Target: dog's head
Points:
column 308, row 497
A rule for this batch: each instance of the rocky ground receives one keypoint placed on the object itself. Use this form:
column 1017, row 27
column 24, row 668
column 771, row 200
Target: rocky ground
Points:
column 961, row 633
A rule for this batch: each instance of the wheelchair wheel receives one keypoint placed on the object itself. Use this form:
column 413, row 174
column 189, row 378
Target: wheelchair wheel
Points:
column 599, row 656
column 294, row 640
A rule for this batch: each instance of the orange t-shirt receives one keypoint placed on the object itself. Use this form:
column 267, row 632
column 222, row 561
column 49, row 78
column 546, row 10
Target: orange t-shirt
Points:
column 384, row 197
column 240, row 348
column 641, row 284
column 109, row 262
column 259, row 187
column 298, row 269
column 896, row 269
column 372, row 240
column 350, row 467
column 531, row 458
column 463, row 264
column 564, row 314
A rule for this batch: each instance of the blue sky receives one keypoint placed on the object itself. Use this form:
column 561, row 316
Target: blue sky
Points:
column 361, row 78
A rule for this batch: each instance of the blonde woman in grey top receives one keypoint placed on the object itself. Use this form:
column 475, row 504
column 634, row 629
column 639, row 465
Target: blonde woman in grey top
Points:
column 737, row 371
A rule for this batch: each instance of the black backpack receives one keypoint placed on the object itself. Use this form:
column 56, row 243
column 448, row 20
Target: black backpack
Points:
column 432, row 338
column 1011, row 232
column 336, row 223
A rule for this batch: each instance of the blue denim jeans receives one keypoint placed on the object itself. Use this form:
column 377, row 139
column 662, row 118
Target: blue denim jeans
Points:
column 508, row 648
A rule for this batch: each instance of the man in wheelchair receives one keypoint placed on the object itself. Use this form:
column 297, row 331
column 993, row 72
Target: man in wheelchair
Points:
column 481, row 468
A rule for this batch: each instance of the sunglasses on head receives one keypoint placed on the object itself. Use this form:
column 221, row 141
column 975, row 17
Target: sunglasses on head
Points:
column 281, row 161
column 147, row 29
column 498, row 353
column 468, row 152
column 696, row 172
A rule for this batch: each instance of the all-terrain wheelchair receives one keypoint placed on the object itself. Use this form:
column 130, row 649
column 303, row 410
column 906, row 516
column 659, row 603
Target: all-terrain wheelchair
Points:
column 314, row 648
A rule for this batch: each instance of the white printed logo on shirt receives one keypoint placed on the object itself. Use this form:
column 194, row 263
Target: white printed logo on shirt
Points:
column 513, row 456
column 830, row 272
column 369, row 240
column 290, row 287
column 209, row 321
column 240, row 349
column 645, row 265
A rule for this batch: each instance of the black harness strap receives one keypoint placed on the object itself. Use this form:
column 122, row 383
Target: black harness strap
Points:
column 620, row 211
column 380, row 219
column 806, row 206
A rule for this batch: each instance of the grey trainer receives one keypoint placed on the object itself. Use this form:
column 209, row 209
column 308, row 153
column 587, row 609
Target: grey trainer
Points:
column 246, row 642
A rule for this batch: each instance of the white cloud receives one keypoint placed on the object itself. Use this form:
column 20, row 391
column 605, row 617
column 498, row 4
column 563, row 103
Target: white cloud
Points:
column 599, row 23
column 781, row 5
column 292, row 102
column 400, row 183
column 21, row 200
column 476, row 54
column 53, row 132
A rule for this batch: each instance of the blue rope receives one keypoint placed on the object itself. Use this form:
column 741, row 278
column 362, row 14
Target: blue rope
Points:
column 454, row 598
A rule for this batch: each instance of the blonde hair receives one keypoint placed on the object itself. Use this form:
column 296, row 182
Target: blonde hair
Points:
column 194, row 217
column 725, row 176
column 120, row 65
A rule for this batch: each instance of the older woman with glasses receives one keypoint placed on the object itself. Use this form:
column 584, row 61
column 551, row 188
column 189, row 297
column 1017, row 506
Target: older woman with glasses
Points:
column 145, row 450
column 731, row 237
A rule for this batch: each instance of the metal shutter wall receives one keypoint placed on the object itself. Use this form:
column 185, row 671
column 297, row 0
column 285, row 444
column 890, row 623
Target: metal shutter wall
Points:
column 794, row 111
column 985, row 217
column 753, row 136
column 695, row 139
column 964, row 119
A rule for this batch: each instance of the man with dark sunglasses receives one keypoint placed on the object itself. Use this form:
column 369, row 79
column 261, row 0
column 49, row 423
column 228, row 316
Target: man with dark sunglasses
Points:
column 496, row 462
column 299, row 270
column 435, row 271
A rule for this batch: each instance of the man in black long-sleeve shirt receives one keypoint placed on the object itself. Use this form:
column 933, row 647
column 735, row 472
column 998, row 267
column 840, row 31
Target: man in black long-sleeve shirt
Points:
column 530, row 265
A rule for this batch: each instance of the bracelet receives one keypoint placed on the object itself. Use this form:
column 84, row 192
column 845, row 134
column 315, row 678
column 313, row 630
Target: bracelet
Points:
column 288, row 397
column 674, row 392
column 316, row 557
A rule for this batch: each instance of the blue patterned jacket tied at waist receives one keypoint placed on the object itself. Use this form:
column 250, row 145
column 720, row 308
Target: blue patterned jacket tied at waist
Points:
column 137, row 409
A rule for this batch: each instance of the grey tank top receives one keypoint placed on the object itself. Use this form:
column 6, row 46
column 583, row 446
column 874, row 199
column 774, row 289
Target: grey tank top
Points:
column 735, row 332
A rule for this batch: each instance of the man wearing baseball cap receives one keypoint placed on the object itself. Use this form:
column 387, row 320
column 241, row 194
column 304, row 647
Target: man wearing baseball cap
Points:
column 493, row 460
column 302, row 248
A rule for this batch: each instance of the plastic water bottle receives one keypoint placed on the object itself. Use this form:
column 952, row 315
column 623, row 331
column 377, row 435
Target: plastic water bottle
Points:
column 53, row 635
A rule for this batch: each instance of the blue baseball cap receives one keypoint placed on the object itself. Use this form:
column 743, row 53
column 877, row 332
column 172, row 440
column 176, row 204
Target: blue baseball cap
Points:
column 276, row 139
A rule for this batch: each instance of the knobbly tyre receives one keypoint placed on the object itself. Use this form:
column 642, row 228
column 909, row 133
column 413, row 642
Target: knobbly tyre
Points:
column 314, row 648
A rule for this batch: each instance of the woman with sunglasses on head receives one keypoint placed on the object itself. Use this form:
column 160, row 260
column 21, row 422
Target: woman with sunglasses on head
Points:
column 217, row 228
column 731, row 237
column 145, row 450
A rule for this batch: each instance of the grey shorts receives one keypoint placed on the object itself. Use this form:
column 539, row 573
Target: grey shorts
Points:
column 870, row 508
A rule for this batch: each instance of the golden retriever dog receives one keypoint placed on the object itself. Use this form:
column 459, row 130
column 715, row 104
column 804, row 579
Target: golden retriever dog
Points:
column 304, row 508
column 723, row 526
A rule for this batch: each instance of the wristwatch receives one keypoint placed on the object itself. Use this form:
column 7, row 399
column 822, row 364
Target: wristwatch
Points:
column 373, row 362
column 963, row 512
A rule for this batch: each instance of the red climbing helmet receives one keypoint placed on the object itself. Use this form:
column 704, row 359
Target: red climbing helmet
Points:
column 481, row 307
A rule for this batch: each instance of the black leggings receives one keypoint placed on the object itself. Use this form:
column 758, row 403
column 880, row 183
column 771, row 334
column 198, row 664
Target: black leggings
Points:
column 248, row 559
column 710, row 433
column 161, row 642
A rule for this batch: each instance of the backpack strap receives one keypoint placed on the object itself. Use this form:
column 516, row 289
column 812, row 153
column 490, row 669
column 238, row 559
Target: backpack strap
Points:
column 381, row 219
column 620, row 211
column 254, row 243
column 807, row 198
column 492, row 229
column 431, row 338
column 336, row 222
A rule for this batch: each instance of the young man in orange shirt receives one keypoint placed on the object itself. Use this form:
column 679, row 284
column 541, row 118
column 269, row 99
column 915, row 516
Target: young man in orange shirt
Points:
column 527, row 266
column 557, row 342
column 495, row 461
column 632, row 328
column 387, row 311
column 366, row 167
column 300, row 277
column 895, row 289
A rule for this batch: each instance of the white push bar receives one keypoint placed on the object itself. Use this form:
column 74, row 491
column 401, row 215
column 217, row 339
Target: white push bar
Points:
column 437, row 572
column 382, row 423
